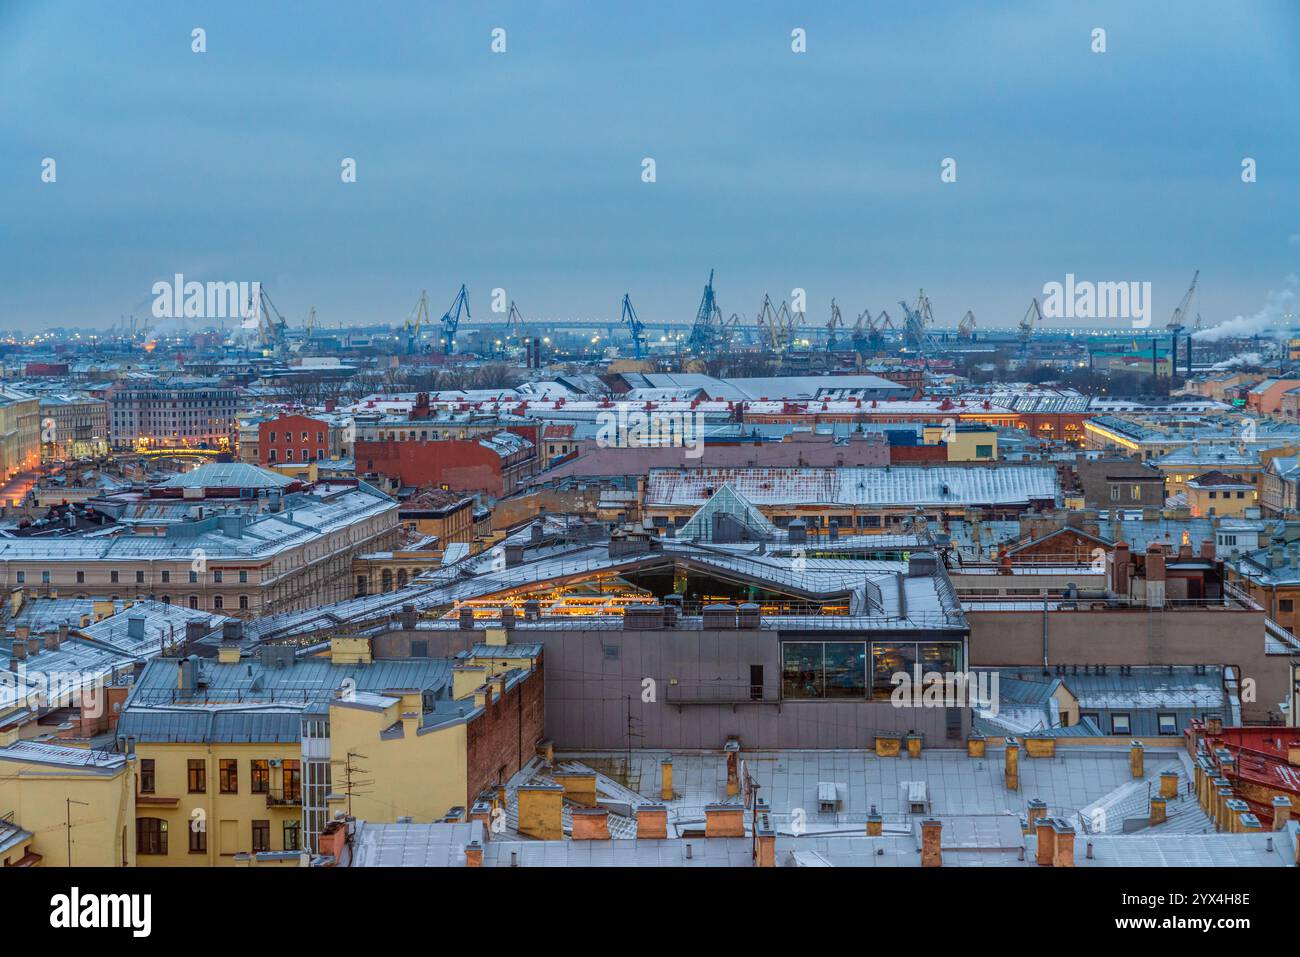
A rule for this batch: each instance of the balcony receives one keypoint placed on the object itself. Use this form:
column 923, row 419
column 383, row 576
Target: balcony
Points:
column 278, row 798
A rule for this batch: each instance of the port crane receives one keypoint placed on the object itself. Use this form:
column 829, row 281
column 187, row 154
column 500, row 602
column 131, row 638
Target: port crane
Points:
column 268, row 320
column 836, row 321
column 709, row 327
column 418, row 318
column 1025, row 332
column 451, row 320
column 966, row 328
column 635, row 326
column 918, row 321
column 1177, row 323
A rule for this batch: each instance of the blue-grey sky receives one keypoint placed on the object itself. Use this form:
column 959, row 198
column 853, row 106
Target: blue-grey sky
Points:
column 522, row 170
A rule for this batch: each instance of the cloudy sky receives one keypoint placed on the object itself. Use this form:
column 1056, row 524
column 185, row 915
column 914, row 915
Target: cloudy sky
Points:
column 523, row 170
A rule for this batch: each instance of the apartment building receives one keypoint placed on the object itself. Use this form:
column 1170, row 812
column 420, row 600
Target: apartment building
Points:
column 20, row 436
column 73, row 427
column 173, row 413
column 225, row 537
column 265, row 748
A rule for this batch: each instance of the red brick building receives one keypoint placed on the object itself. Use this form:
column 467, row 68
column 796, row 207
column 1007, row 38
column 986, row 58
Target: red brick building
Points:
column 495, row 464
column 294, row 438
column 504, row 737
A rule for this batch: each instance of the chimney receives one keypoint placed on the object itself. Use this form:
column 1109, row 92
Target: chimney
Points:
column 1281, row 811
column 1169, row 784
column 1135, row 758
column 1157, row 812
column 724, row 820
column 541, row 808
column 875, row 823
column 1237, row 810
column 1120, row 561
column 1063, row 833
column 975, row 745
column 666, row 779
column 590, row 824
column 1214, row 726
column 19, row 650
column 652, row 822
column 764, row 839
column 1037, row 811
column 732, row 750
column 466, row 619
column 55, row 638
column 135, row 627
column 1045, row 842
column 1207, row 549
column 473, row 854
column 1012, row 764
column 482, row 811
column 1155, row 574
column 931, row 850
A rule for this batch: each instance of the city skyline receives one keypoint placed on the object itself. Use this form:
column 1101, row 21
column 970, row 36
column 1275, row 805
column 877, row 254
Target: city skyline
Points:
column 523, row 170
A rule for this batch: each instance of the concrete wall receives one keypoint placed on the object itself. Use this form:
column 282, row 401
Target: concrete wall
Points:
column 591, row 692
column 1134, row 637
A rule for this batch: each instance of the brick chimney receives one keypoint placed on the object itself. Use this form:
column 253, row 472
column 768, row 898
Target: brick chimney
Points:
column 1012, row 764
column 473, row 854
column 1169, row 784
column 541, row 809
column 1063, row 832
column 931, row 849
column 1045, row 841
column 590, row 824
column 1281, row 811
column 652, row 822
column 666, row 779
column 875, row 823
column 482, row 811
column 1136, row 763
column 1157, row 814
column 724, row 820
column 1119, row 568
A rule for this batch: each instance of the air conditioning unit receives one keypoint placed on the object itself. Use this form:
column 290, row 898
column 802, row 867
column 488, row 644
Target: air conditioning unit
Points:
column 275, row 762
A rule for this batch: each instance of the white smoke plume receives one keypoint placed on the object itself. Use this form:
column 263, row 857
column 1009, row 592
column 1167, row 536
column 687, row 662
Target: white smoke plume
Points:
column 1244, row 359
column 1269, row 321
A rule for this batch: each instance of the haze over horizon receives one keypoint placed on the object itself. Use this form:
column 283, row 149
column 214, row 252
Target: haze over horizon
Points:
column 523, row 169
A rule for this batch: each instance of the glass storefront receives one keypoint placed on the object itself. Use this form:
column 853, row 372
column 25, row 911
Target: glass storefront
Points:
column 829, row 670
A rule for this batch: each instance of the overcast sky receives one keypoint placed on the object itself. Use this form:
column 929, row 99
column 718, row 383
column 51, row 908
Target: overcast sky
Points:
column 523, row 170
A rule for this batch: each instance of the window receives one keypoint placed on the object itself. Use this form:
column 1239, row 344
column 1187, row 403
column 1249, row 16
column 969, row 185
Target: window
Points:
column 261, row 836
column 1137, row 493
column 983, row 451
column 166, row 577
column 217, row 602
column 198, row 776
column 755, row 682
column 139, row 578
column 1119, row 724
column 243, row 602
column 194, row 577
column 81, row 578
column 216, row 578
column 1092, row 716
column 194, row 601
column 1168, row 724
column 146, row 775
column 229, row 774
column 45, row 578
column 419, row 649
column 112, row 577
column 293, row 780
column 816, row 669
column 243, row 577
column 292, row 829
column 150, row 835
column 1285, row 604
column 1114, row 493
column 260, row 775
column 198, row 838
